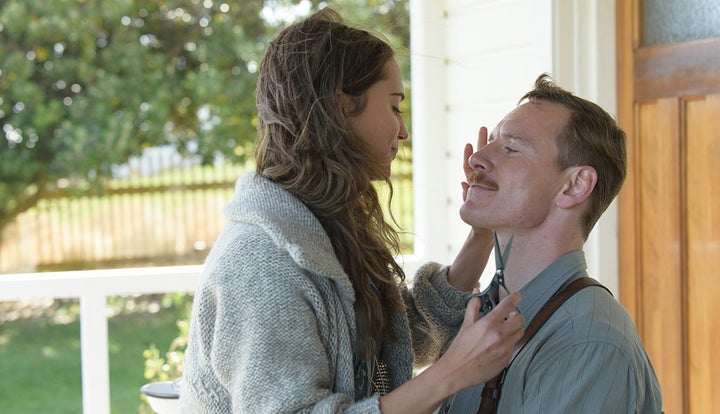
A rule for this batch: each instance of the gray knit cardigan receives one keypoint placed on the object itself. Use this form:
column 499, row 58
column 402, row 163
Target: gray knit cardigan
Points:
column 273, row 327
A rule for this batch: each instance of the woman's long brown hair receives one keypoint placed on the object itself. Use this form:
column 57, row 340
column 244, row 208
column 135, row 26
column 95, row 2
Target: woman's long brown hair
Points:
column 306, row 147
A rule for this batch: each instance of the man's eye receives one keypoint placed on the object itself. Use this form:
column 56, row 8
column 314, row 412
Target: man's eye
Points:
column 509, row 150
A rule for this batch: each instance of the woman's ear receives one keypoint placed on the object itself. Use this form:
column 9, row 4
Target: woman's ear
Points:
column 578, row 186
column 346, row 102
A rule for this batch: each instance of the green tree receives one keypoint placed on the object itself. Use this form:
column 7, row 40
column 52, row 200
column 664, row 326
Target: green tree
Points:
column 85, row 84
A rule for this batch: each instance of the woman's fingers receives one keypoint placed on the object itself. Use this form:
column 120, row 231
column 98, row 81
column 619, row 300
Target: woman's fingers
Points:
column 472, row 311
column 506, row 306
column 482, row 137
column 507, row 313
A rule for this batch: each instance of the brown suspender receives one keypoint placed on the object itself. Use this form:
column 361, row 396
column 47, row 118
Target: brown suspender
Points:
column 491, row 390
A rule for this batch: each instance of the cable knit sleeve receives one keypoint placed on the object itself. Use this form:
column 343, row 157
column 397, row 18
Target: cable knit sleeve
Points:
column 435, row 311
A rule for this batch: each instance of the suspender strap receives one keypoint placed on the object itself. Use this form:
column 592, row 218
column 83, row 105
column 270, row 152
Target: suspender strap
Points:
column 491, row 390
column 554, row 303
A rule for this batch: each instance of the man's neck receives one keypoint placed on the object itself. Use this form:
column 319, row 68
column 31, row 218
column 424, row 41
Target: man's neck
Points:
column 531, row 253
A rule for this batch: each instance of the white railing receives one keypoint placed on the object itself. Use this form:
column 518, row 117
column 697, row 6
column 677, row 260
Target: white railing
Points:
column 92, row 287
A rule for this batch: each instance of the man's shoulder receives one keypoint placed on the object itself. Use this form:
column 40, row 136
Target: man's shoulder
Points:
column 594, row 315
column 592, row 350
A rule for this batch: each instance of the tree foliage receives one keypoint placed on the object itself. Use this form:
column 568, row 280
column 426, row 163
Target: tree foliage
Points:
column 85, row 84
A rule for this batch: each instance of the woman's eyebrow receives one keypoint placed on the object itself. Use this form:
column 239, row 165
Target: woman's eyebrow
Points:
column 400, row 94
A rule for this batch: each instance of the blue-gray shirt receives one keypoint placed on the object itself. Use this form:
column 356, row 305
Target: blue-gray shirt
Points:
column 587, row 358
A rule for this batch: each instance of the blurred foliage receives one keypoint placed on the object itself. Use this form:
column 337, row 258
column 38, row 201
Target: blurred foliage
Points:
column 85, row 84
column 168, row 366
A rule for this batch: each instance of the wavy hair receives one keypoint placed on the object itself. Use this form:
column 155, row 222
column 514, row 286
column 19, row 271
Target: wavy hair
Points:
column 306, row 146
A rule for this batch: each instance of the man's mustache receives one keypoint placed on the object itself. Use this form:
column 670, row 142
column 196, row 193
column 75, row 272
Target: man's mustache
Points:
column 480, row 179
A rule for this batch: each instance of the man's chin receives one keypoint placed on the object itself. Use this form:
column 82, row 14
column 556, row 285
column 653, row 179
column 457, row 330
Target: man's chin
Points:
column 464, row 213
column 467, row 213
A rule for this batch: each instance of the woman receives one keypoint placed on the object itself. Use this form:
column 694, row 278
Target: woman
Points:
column 302, row 307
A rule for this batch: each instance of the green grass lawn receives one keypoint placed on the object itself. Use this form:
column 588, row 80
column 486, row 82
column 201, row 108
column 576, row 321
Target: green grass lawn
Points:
column 40, row 362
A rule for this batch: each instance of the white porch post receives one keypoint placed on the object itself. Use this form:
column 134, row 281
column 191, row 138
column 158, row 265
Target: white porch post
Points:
column 427, row 36
column 94, row 354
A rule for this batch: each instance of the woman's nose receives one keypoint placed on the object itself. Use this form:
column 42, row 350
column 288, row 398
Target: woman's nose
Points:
column 404, row 134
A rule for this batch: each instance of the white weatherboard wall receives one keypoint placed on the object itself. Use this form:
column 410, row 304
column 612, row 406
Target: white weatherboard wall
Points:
column 584, row 62
column 471, row 62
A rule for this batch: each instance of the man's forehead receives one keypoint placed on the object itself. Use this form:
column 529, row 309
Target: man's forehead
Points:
column 531, row 116
column 502, row 129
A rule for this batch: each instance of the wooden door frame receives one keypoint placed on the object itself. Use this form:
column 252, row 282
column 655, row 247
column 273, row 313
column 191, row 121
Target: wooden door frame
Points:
column 627, row 41
column 701, row 64
column 646, row 74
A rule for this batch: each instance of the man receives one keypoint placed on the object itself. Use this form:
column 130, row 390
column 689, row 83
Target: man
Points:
column 544, row 176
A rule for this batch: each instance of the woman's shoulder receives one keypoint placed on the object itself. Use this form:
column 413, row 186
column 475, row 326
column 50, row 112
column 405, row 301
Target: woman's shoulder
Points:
column 245, row 250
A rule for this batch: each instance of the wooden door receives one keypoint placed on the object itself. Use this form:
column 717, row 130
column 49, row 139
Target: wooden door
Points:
column 669, row 208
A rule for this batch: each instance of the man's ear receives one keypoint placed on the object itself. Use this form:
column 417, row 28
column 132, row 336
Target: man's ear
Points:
column 579, row 184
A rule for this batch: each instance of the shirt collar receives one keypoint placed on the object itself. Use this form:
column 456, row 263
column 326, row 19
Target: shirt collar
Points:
column 539, row 290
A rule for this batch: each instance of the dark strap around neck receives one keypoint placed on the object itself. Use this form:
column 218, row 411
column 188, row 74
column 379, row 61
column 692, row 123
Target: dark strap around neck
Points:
column 491, row 390
column 554, row 303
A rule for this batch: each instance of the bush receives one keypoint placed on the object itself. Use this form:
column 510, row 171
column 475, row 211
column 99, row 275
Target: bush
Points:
column 168, row 366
